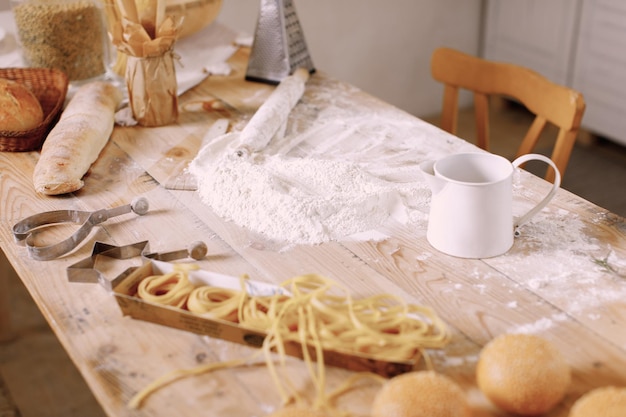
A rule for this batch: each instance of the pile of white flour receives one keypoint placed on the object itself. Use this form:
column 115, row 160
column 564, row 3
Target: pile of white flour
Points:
column 302, row 200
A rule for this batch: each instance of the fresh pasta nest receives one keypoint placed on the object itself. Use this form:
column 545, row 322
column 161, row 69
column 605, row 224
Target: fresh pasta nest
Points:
column 381, row 326
column 308, row 316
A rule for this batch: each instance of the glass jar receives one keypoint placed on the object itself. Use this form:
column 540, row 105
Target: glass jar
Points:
column 68, row 35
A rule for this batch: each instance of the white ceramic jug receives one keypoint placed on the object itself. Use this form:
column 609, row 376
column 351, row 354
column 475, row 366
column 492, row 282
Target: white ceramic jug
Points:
column 471, row 212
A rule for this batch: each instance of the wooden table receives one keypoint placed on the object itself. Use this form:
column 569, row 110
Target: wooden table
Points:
column 564, row 279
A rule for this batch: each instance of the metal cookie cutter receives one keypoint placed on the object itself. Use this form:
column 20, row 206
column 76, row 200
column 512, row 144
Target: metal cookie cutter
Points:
column 86, row 270
column 24, row 229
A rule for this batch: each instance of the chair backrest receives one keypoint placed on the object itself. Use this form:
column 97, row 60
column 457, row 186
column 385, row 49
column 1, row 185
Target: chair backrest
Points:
column 549, row 102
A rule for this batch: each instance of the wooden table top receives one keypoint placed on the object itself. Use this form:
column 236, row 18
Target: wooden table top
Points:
column 564, row 279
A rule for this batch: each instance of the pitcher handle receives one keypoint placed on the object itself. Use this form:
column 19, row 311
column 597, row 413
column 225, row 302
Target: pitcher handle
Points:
column 555, row 186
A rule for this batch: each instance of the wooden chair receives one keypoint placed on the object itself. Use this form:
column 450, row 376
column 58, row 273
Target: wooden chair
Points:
column 549, row 102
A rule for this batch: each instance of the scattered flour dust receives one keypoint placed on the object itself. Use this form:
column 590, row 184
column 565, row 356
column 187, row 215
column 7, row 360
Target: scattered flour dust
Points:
column 541, row 325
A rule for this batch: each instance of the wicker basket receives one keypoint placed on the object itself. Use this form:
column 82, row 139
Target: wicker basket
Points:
column 50, row 87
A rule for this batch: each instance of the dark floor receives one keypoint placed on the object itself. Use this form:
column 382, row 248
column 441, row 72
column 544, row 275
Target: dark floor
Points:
column 597, row 173
column 33, row 360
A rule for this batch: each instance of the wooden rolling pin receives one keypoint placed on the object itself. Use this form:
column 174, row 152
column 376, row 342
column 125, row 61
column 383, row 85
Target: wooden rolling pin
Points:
column 272, row 116
column 267, row 122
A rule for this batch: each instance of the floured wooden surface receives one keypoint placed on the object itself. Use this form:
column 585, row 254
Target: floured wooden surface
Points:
column 564, row 279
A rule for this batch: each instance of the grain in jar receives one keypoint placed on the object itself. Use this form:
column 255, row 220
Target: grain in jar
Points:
column 66, row 35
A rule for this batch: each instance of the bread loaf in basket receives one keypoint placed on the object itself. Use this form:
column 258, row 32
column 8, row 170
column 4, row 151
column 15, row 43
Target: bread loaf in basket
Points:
column 49, row 87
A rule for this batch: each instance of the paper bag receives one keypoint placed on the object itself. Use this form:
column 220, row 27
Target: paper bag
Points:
column 151, row 83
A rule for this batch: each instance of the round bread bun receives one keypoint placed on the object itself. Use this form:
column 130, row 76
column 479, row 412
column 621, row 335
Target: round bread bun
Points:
column 420, row 394
column 523, row 374
column 298, row 412
column 19, row 108
column 601, row 402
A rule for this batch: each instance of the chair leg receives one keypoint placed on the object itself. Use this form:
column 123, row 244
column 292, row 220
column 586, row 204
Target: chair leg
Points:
column 563, row 148
column 532, row 136
column 481, row 114
column 450, row 109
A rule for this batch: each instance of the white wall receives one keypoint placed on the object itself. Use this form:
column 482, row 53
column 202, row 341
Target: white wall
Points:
column 381, row 46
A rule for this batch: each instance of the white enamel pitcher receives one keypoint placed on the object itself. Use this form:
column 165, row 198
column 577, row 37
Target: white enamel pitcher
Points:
column 471, row 211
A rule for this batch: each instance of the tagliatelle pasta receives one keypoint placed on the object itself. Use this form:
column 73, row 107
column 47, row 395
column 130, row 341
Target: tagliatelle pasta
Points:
column 216, row 302
column 313, row 311
column 171, row 289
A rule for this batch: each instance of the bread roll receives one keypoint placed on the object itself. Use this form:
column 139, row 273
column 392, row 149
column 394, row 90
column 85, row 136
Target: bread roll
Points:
column 298, row 412
column 523, row 374
column 607, row 401
column 421, row 394
column 77, row 139
column 19, row 108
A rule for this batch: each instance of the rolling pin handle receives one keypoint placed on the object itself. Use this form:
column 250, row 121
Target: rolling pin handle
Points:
column 197, row 250
column 140, row 205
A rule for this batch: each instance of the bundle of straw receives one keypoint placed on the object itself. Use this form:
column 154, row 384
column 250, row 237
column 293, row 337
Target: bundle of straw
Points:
column 145, row 37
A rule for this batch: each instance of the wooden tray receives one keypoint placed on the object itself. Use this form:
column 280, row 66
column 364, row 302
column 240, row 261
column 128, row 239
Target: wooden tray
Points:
column 125, row 286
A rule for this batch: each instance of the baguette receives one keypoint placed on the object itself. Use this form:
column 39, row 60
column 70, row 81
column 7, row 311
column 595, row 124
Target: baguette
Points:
column 77, row 139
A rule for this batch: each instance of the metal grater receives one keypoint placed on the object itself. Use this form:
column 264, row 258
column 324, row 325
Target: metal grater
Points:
column 279, row 46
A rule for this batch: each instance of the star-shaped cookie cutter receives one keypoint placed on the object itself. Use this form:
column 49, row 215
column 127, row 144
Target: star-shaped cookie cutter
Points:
column 86, row 271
